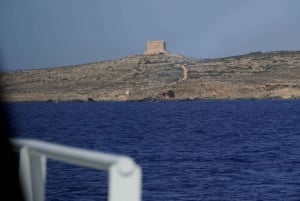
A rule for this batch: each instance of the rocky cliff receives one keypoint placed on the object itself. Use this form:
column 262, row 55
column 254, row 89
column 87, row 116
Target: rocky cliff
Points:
column 161, row 77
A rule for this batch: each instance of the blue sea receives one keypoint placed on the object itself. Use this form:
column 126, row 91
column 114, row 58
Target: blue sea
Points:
column 188, row 150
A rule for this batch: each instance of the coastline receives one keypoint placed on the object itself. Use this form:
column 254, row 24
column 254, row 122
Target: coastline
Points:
column 155, row 100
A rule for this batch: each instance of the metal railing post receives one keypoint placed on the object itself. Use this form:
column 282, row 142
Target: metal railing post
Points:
column 25, row 173
column 33, row 172
column 124, row 182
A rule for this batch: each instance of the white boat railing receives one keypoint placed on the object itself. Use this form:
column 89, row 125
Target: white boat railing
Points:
column 125, row 176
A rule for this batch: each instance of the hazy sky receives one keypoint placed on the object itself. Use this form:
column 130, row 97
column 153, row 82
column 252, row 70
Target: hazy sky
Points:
column 45, row 33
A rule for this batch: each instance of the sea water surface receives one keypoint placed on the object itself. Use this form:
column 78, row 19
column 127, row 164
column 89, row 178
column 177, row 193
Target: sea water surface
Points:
column 198, row 150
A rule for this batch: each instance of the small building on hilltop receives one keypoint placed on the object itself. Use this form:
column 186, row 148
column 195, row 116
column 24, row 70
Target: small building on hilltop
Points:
column 155, row 47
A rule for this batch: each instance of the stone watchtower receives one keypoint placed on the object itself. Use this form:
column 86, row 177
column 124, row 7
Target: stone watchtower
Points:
column 156, row 47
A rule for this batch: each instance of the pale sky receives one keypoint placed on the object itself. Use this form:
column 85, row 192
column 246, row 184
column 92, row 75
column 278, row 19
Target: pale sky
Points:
column 46, row 33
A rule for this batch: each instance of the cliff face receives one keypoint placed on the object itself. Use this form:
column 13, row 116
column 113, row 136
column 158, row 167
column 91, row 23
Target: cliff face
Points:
column 163, row 77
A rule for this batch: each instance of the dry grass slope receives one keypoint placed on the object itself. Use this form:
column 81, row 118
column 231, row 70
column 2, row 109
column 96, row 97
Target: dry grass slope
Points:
column 155, row 77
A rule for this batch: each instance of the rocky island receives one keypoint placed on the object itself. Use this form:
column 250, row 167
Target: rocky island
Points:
column 161, row 76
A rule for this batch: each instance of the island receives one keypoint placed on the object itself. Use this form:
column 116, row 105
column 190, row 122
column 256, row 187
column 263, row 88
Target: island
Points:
column 161, row 75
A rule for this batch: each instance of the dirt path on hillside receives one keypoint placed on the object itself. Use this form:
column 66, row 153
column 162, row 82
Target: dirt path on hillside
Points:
column 185, row 75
